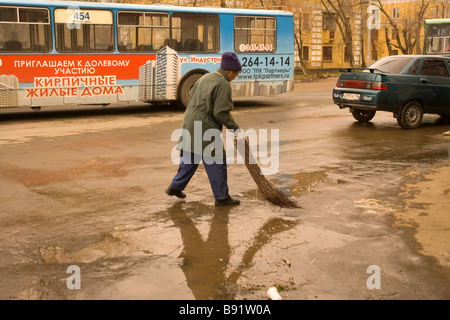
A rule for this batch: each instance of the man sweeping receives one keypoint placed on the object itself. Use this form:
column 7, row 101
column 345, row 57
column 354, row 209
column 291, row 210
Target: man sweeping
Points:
column 209, row 108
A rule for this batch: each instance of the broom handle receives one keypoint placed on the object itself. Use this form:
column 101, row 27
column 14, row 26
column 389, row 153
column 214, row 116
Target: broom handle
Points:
column 246, row 154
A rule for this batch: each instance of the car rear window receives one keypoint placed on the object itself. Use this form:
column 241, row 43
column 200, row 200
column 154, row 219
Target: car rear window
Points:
column 392, row 64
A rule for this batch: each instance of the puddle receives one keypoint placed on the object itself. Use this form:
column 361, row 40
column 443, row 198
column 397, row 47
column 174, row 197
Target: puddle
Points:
column 206, row 262
column 189, row 247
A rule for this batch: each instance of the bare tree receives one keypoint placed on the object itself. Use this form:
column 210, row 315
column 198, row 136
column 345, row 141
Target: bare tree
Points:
column 344, row 10
column 299, row 42
column 407, row 30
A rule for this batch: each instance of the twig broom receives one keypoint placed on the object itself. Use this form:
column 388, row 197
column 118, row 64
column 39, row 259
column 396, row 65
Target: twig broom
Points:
column 265, row 187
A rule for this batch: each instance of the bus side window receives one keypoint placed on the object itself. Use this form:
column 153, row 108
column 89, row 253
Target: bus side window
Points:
column 196, row 32
column 93, row 32
column 256, row 34
column 25, row 29
column 142, row 31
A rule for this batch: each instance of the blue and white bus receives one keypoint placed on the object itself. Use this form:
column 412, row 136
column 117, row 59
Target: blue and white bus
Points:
column 437, row 36
column 69, row 53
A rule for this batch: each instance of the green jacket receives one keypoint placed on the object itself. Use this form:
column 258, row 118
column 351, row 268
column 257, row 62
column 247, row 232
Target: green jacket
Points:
column 210, row 103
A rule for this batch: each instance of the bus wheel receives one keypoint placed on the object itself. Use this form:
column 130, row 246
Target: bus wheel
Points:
column 185, row 88
column 36, row 108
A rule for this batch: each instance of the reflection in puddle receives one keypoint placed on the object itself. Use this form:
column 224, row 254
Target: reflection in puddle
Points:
column 304, row 182
column 205, row 263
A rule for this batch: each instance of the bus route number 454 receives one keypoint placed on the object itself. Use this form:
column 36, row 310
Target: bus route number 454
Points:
column 81, row 16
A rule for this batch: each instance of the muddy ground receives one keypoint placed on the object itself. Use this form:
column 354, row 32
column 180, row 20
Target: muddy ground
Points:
column 84, row 187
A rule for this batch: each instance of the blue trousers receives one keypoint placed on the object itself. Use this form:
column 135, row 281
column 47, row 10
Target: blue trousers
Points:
column 217, row 174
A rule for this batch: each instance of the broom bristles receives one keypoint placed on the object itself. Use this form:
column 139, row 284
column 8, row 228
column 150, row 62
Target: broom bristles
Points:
column 265, row 187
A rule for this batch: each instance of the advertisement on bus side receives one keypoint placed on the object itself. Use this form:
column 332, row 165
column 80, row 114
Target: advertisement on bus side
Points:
column 39, row 80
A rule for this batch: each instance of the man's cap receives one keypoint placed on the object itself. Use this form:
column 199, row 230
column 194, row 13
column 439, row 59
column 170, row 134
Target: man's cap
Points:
column 230, row 62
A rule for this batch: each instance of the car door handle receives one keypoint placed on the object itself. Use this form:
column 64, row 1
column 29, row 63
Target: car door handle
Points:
column 424, row 80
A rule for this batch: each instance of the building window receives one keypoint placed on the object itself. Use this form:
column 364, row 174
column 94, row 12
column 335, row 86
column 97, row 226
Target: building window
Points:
column 396, row 13
column 255, row 34
column 305, row 53
column 329, row 21
column 327, row 53
column 374, row 34
column 347, row 54
column 332, row 35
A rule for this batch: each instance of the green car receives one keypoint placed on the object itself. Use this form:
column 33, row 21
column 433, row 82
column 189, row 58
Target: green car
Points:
column 408, row 86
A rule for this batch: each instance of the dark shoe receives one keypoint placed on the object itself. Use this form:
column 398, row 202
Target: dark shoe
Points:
column 177, row 193
column 227, row 202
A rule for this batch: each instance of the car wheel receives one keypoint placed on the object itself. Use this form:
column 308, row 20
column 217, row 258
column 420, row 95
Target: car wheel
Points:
column 411, row 115
column 363, row 115
column 185, row 88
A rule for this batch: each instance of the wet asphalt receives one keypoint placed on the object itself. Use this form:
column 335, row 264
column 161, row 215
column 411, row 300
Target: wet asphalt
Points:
column 84, row 187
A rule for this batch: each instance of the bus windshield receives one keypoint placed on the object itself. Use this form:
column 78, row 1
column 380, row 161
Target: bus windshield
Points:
column 437, row 36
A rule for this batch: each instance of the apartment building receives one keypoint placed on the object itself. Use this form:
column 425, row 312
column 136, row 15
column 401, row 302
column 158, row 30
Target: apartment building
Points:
column 9, row 91
column 158, row 79
column 372, row 29
column 147, row 81
column 168, row 73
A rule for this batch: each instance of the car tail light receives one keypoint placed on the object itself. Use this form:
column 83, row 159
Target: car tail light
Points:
column 378, row 85
column 362, row 84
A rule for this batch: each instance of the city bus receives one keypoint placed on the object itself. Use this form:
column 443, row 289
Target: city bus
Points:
column 72, row 53
column 437, row 36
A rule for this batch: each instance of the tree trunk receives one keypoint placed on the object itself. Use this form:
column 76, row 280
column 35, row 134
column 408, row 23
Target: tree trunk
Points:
column 299, row 42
